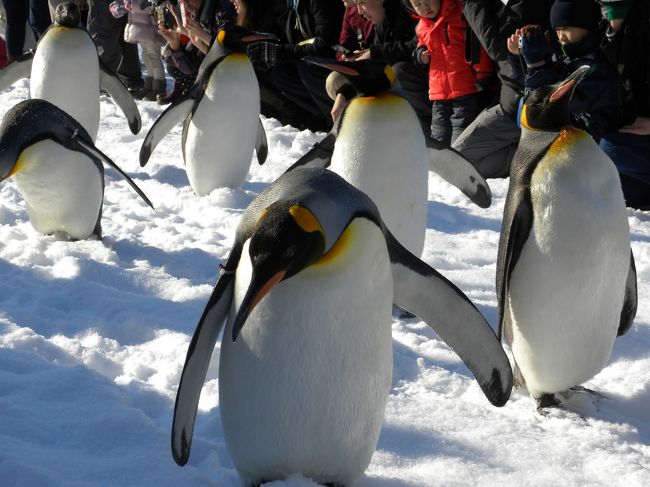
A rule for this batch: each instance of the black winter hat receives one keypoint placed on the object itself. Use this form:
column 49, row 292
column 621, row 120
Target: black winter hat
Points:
column 575, row 13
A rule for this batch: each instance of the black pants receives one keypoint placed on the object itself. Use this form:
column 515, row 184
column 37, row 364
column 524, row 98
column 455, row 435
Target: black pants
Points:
column 414, row 84
column 108, row 33
column 19, row 12
column 450, row 117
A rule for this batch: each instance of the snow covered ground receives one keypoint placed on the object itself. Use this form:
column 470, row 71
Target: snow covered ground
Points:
column 93, row 336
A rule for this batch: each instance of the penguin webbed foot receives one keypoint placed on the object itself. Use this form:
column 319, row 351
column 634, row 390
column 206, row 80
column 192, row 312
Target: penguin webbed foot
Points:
column 583, row 390
column 546, row 401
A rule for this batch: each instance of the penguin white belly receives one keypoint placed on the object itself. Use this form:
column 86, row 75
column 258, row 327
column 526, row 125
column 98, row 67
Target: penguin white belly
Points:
column 305, row 386
column 63, row 189
column 65, row 72
column 220, row 137
column 568, row 286
column 380, row 150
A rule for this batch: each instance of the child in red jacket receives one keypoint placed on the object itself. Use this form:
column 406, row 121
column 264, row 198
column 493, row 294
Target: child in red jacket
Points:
column 453, row 84
column 3, row 54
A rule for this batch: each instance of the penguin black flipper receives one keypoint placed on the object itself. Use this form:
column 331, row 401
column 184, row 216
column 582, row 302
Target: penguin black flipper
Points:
column 175, row 113
column 628, row 312
column 422, row 290
column 16, row 70
column 517, row 217
column 261, row 144
column 197, row 362
column 320, row 155
column 116, row 89
column 89, row 148
column 454, row 168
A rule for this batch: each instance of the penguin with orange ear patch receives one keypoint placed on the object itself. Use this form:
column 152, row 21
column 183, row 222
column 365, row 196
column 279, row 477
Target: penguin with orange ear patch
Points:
column 566, row 282
column 306, row 357
column 221, row 116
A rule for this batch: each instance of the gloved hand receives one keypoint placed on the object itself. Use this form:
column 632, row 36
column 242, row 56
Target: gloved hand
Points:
column 534, row 46
column 421, row 56
column 263, row 55
column 117, row 9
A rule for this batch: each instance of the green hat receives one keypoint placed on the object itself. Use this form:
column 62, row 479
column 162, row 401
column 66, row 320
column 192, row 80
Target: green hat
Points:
column 614, row 9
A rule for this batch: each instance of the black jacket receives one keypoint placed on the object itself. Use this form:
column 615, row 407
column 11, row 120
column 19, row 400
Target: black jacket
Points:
column 318, row 22
column 629, row 51
column 394, row 38
column 493, row 22
column 595, row 105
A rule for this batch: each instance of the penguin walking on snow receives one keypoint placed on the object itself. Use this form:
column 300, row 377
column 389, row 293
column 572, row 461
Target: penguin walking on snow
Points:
column 57, row 168
column 566, row 281
column 377, row 145
column 221, row 113
column 66, row 71
column 306, row 356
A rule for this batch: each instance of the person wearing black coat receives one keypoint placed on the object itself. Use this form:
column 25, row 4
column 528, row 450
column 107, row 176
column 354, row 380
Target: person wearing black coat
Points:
column 311, row 28
column 491, row 140
column 627, row 46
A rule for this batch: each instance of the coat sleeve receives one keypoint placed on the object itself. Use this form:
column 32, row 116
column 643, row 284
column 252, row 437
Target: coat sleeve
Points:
column 326, row 18
column 482, row 18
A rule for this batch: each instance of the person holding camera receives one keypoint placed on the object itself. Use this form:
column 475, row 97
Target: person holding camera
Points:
column 189, row 27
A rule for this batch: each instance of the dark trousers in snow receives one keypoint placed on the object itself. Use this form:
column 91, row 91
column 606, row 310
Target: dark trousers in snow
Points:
column 490, row 142
column 414, row 87
column 450, row 117
column 631, row 155
column 108, row 33
column 19, row 12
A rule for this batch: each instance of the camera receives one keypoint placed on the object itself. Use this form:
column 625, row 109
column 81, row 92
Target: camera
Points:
column 164, row 16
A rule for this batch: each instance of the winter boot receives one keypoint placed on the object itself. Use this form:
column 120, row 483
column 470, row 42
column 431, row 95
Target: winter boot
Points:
column 143, row 92
column 157, row 88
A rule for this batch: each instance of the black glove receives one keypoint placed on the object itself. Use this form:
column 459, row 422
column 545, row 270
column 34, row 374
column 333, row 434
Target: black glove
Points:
column 534, row 47
column 415, row 55
column 263, row 55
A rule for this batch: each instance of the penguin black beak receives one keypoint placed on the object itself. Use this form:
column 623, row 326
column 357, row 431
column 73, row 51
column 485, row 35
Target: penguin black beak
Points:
column 255, row 293
column 343, row 67
column 259, row 36
column 567, row 86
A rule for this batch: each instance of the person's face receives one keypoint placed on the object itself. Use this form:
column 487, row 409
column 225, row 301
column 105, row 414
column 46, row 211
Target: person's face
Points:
column 428, row 9
column 237, row 4
column 570, row 35
column 373, row 10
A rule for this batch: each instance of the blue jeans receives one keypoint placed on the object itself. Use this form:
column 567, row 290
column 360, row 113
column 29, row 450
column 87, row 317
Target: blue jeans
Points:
column 631, row 155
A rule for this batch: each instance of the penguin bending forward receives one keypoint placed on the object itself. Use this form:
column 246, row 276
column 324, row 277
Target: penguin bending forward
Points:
column 566, row 281
column 377, row 145
column 66, row 71
column 306, row 357
column 221, row 113
column 57, row 168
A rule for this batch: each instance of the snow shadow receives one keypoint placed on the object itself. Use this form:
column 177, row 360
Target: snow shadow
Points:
column 456, row 220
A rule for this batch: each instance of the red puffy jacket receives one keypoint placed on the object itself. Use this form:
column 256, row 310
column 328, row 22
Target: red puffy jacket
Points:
column 450, row 75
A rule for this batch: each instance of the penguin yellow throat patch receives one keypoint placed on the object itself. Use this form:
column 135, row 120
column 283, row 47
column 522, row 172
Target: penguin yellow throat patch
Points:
column 568, row 136
column 383, row 98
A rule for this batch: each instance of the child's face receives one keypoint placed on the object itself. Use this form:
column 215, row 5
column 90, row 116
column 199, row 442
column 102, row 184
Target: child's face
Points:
column 570, row 35
column 428, row 9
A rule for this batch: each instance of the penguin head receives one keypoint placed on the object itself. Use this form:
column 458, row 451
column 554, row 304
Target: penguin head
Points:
column 236, row 38
column 67, row 14
column 547, row 107
column 287, row 239
column 29, row 122
column 369, row 76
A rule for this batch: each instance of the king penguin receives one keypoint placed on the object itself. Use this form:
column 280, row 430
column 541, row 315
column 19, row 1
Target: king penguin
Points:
column 57, row 169
column 377, row 145
column 66, row 71
column 566, row 281
column 221, row 113
column 306, row 356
